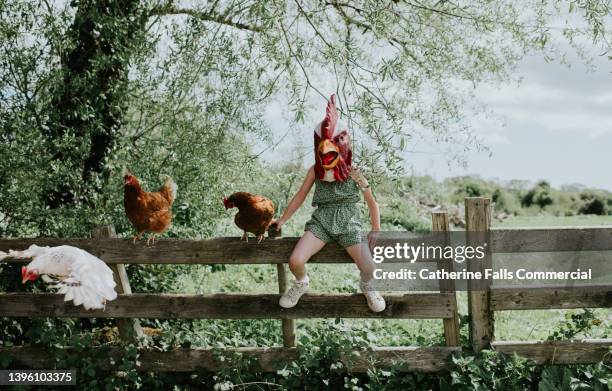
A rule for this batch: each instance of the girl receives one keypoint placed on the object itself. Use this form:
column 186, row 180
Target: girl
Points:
column 336, row 218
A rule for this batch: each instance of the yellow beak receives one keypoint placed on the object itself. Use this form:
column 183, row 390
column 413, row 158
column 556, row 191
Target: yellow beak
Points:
column 327, row 147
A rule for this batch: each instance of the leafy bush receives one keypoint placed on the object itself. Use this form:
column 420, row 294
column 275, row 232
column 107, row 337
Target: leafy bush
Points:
column 593, row 204
column 539, row 195
column 402, row 215
column 594, row 377
column 469, row 187
column 505, row 200
column 489, row 370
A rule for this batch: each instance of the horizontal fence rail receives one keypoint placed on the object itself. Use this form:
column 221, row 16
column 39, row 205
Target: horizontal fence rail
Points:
column 184, row 251
column 548, row 298
column 559, row 352
column 426, row 359
column 551, row 239
column 233, row 251
column 429, row 359
column 230, row 306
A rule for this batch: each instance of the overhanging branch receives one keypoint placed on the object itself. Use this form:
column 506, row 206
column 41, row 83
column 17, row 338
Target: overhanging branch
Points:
column 207, row 16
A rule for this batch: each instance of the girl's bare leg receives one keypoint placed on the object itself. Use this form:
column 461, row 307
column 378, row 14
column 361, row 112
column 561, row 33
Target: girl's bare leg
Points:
column 363, row 259
column 307, row 246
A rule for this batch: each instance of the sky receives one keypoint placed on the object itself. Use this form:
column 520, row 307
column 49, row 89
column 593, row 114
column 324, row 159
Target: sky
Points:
column 558, row 127
column 555, row 125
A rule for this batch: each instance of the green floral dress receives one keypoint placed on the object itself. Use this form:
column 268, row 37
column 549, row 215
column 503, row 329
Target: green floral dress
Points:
column 336, row 218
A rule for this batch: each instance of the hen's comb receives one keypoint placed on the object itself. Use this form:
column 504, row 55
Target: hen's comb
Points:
column 328, row 125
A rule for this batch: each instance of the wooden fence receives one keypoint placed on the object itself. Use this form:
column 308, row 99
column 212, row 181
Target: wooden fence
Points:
column 482, row 304
column 128, row 307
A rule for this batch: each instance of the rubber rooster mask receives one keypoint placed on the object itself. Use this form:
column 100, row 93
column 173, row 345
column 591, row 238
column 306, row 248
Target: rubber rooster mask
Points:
column 332, row 148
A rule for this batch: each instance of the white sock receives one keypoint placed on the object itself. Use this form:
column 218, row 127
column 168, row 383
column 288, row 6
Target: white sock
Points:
column 304, row 279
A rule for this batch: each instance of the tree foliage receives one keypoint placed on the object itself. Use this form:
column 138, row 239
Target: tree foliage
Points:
column 90, row 87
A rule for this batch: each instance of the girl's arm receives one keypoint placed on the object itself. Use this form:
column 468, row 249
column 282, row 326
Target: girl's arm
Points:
column 298, row 198
column 373, row 207
column 362, row 182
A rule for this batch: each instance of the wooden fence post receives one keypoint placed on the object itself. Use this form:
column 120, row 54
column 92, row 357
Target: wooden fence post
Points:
column 439, row 221
column 288, row 324
column 478, row 224
column 129, row 329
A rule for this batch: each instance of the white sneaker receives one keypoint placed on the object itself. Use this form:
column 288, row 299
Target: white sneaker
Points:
column 375, row 300
column 290, row 298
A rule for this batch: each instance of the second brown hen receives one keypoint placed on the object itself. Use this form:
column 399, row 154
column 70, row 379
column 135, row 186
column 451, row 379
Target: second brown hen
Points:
column 254, row 215
column 148, row 211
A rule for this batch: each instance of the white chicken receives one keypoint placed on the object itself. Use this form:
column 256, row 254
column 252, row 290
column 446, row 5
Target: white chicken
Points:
column 80, row 276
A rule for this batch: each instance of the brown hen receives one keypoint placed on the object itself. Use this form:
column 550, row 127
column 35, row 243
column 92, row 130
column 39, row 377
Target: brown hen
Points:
column 148, row 211
column 254, row 215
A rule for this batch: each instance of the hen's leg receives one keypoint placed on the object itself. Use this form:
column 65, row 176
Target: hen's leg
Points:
column 48, row 279
column 260, row 238
column 151, row 239
column 137, row 237
column 245, row 237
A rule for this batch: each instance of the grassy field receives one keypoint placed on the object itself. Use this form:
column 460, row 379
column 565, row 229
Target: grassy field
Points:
column 343, row 278
column 554, row 221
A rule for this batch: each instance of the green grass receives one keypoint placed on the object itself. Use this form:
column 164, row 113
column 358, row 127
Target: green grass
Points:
column 554, row 221
column 538, row 324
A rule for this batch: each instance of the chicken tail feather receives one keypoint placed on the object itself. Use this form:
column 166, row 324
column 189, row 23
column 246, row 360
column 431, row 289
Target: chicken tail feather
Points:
column 169, row 189
column 90, row 298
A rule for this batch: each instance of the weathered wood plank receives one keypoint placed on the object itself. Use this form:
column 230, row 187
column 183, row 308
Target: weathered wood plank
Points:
column 425, row 359
column 559, row 352
column 288, row 325
column 185, row 251
column 478, row 222
column 551, row 239
column 546, row 298
column 234, row 251
column 439, row 222
column 229, row 306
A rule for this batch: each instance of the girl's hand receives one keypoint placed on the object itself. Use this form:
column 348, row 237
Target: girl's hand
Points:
column 274, row 229
column 277, row 223
column 372, row 238
column 358, row 177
